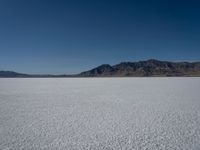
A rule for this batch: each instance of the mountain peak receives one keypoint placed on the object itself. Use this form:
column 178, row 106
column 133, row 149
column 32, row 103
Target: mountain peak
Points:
column 104, row 66
column 151, row 67
column 11, row 74
column 104, row 70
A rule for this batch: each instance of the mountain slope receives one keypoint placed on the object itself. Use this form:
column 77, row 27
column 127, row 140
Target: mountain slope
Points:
column 147, row 68
column 150, row 67
column 12, row 74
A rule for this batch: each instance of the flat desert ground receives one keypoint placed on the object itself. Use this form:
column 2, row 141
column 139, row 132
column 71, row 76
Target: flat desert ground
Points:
column 100, row 113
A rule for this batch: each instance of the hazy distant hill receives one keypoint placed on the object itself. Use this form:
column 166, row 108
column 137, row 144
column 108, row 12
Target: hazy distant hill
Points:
column 145, row 68
column 12, row 74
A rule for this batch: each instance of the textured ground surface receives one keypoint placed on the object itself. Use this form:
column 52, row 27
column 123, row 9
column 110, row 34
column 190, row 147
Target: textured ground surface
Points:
column 104, row 113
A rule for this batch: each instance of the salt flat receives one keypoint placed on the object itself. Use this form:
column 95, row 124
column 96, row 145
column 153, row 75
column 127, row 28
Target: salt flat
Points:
column 100, row 113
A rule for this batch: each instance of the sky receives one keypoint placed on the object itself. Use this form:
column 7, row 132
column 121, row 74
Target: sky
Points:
column 71, row 36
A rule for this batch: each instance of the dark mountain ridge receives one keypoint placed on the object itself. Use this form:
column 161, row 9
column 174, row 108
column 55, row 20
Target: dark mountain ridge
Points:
column 11, row 74
column 150, row 67
column 147, row 68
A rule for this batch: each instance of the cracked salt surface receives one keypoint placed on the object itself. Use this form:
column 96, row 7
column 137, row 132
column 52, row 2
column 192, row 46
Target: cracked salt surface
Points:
column 100, row 113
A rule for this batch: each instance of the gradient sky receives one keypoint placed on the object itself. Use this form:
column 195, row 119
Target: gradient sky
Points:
column 69, row 36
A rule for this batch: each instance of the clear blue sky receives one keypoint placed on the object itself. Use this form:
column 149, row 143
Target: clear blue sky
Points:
column 69, row 36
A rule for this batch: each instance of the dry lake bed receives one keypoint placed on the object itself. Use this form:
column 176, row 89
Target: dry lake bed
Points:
column 100, row 113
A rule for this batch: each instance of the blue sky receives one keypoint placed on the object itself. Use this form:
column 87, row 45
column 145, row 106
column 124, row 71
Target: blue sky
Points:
column 62, row 36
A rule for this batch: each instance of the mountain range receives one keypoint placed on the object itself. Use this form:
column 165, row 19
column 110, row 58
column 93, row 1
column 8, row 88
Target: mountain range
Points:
column 149, row 68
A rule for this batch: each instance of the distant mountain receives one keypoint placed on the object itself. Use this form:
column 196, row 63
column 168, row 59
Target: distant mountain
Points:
column 12, row 74
column 150, row 67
